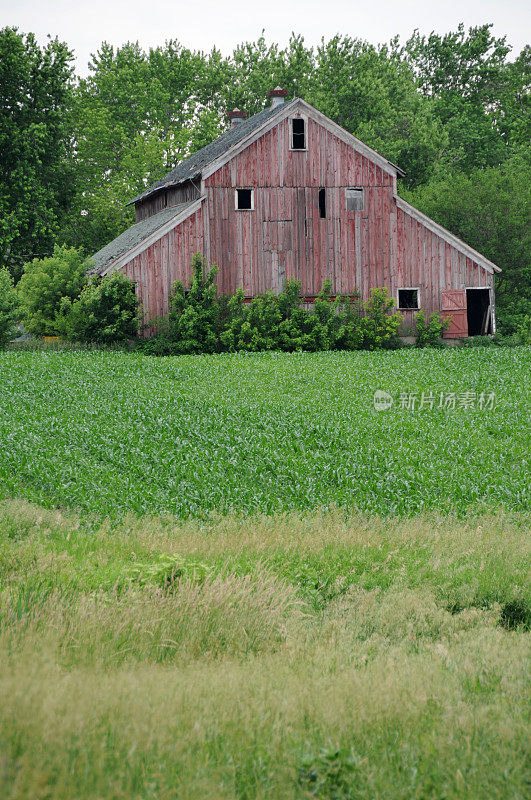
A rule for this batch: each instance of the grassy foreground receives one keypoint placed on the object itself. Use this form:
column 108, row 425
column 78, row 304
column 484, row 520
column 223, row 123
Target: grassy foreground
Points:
column 233, row 578
column 289, row 656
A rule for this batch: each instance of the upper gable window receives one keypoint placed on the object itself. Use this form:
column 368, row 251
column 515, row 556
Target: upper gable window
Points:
column 355, row 199
column 298, row 133
column 244, row 200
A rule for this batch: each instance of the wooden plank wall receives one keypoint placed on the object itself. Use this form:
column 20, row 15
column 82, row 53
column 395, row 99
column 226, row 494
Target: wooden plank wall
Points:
column 284, row 237
column 167, row 260
column 427, row 261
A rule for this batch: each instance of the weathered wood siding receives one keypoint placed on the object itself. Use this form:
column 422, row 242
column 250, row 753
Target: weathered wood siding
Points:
column 425, row 260
column 167, row 260
column 166, row 198
column 284, row 236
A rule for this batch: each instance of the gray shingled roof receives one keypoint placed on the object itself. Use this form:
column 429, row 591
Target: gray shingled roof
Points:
column 133, row 236
column 194, row 164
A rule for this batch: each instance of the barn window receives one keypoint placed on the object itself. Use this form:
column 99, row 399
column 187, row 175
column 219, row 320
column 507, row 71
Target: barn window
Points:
column 354, row 198
column 408, row 298
column 298, row 134
column 244, row 200
column 322, row 203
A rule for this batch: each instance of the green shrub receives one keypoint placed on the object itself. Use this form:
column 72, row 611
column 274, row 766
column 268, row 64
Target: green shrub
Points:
column 106, row 311
column 516, row 614
column 253, row 326
column 279, row 322
column 429, row 330
column 342, row 319
column 381, row 321
column 9, row 307
column 512, row 313
column 498, row 340
column 329, row 773
column 159, row 345
column 44, row 284
column 523, row 331
column 194, row 318
column 201, row 321
column 477, row 341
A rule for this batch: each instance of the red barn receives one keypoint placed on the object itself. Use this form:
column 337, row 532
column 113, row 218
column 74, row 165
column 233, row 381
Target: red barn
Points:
column 287, row 194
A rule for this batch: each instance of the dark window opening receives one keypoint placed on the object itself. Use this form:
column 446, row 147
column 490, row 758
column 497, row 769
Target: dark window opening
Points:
column 298, row 134
column 322, row 203
column 244, row 199
column 408, row 298
column 478, row 312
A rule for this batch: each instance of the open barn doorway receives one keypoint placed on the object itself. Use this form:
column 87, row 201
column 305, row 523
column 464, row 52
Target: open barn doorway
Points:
column 478, row 312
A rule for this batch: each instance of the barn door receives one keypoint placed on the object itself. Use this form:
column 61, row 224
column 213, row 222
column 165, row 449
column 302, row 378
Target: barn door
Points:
column 478, row 302
column 453, row 305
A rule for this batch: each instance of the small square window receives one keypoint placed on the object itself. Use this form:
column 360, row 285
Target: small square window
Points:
column 408, row 298
column 298, row 134
column 244, row 200
column 354, row 198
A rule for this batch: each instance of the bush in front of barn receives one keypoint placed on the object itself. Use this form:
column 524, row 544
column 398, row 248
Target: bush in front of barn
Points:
column 194, row 320
column 45, row 283
column 9, row 308
column 380, row 321
column 202, row 321
column 275, row 322
column 106, row 311
column 429, row 329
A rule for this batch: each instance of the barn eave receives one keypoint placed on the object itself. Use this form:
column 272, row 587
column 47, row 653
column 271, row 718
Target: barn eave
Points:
column 447, row 236
column 139, row 237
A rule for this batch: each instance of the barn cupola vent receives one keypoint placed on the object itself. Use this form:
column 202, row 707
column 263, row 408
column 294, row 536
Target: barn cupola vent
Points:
column 236, row 116
column 277, row 96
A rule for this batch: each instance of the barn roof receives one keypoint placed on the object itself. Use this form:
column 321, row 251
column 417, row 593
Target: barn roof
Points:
column 194, row 164
column 213, row 153
column 136, row 235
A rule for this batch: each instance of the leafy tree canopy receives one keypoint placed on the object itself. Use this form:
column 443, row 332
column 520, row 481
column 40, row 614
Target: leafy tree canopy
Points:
column 36, row 123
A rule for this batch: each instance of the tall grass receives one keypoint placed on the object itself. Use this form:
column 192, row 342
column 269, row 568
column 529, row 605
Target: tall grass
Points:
column 395, row 678
column 233, row 615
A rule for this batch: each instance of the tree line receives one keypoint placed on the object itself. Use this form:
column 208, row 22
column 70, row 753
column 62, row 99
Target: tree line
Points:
column 451, row 110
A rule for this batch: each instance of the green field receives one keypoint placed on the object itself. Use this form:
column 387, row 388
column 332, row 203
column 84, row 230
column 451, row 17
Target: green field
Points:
column 111, row 433
column 232, row 578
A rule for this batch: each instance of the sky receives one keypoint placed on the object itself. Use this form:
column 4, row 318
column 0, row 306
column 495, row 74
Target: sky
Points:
column 200, row 26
